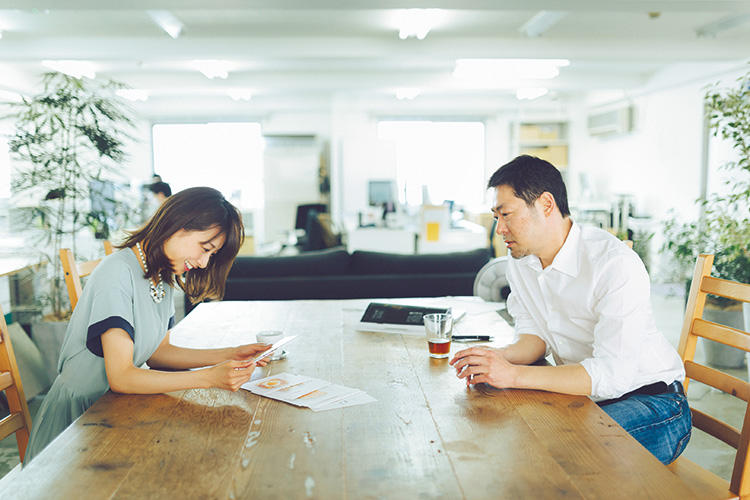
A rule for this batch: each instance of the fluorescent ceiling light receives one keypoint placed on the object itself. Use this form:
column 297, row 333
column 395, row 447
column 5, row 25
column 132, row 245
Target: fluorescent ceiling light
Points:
column 212, row 68
column 76, row 69
column 508, row 69
column 167, row 21
column 530, row 93
column 541, row 22
column 407, row 93
column 723, row 24
column 240, row 94
column 133, row 94
column 417, row 22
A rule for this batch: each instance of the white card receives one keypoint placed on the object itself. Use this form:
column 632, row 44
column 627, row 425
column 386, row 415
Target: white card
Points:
column 268, row 385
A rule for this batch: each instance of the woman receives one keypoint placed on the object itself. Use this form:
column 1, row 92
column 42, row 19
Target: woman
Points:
column 126, row 310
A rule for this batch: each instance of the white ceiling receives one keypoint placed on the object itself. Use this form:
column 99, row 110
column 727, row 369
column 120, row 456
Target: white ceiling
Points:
column 310, row 54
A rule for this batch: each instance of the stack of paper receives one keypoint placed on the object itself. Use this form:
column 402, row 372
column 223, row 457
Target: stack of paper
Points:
column 313, row 393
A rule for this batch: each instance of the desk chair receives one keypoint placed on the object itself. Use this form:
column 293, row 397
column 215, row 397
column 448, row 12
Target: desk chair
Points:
column 703, row 482
column 19, row 420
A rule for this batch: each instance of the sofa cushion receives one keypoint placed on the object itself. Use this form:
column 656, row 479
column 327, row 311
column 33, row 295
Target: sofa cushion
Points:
column 329, row 262
column 388, row 263
column 350, row 287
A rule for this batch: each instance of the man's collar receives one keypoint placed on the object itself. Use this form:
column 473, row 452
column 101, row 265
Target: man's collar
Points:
column 566, row 260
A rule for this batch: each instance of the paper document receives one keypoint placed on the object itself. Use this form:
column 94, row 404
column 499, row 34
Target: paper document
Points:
column 313, row 393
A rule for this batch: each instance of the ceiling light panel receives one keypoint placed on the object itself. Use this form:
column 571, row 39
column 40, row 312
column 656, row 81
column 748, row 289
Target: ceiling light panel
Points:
column 530, row 93
column 417, row 22
column 500, row 70
column 167, row 21
column 541, row 22
column 212, row 68
column 76, row 69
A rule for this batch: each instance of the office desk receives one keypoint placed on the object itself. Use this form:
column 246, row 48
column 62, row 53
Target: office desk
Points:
column 427, row 436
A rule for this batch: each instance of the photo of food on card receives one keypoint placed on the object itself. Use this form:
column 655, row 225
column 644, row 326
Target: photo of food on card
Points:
column 273, row 383
column 290, row 393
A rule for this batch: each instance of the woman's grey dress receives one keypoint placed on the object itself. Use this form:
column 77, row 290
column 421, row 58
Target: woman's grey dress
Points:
column 116, row 295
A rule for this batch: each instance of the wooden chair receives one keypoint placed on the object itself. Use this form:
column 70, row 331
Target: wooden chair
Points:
column 19, row 420
column 703, row 482
column 73, row 274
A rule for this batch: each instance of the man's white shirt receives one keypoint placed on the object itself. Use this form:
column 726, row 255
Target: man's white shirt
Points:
column 592, row 306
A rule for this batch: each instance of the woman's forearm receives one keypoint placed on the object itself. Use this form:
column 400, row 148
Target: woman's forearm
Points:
column 139, row 381
column 183, row 358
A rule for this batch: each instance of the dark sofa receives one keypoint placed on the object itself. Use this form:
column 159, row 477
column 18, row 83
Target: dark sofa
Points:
column 337, row 274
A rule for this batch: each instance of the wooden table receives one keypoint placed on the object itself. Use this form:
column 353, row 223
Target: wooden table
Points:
column 427, row 436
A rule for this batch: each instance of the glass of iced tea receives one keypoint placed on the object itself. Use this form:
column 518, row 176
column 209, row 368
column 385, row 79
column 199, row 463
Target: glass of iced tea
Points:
column 438, row 329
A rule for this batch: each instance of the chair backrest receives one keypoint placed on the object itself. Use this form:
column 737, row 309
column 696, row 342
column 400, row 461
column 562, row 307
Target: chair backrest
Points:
column 73, row 274
column 695, row 326
column 19, row 419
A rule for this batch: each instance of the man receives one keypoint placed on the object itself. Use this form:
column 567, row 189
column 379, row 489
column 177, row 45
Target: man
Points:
column 582, row 295
column 161, row 191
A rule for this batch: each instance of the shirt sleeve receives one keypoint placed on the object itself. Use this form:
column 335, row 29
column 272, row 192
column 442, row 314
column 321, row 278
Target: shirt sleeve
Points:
column 111, row 307
column 623, row 308
column 524, row 322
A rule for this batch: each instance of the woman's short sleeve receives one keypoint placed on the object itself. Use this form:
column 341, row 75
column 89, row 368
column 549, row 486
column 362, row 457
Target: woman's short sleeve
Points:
column 111, row 307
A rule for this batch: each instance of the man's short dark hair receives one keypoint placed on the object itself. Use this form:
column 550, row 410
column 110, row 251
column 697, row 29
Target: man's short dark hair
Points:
column 529, row 177
column 161, row 187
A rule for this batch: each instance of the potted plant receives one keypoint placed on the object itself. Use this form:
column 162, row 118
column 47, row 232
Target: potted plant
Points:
column 724, row 228
column 68, row 140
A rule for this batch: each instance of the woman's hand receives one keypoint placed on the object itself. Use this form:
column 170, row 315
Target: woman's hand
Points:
column 230, row 374
column 249, row 351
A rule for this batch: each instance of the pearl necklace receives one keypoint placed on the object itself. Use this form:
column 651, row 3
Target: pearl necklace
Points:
column 157, row 291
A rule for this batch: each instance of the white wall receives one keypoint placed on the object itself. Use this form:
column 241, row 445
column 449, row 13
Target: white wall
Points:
column 660, row 162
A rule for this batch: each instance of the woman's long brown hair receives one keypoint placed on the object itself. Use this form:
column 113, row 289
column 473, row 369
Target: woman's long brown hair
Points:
column 193, row 209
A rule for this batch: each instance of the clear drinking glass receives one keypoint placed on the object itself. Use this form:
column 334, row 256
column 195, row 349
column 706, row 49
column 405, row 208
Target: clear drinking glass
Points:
column 438, row 330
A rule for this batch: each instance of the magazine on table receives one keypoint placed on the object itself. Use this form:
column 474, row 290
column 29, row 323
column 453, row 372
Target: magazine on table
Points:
column 398, row 318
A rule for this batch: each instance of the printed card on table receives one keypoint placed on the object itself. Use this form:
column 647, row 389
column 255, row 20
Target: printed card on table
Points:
column 268, row 385
column 294, row 394
column 359, row 398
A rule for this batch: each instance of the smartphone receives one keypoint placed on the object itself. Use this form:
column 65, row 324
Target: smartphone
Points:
column 276, row 345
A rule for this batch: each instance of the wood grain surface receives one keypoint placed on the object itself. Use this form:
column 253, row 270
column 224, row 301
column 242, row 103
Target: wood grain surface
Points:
column 427, row 436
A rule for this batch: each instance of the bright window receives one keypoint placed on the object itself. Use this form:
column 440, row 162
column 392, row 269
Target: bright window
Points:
column 224, row 156
column 447, row 157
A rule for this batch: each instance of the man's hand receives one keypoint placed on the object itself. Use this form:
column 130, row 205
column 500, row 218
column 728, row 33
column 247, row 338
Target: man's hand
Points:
column 485, row 365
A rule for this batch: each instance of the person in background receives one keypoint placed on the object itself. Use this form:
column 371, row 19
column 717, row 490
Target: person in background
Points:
column 582, row 295
column 126, row 311
column 161, row 191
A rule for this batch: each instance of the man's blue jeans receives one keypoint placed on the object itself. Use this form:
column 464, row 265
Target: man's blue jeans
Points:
column 661, row 422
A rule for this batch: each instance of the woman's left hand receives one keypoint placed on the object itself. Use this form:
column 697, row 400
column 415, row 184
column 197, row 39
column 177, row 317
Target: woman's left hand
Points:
column 249, row 351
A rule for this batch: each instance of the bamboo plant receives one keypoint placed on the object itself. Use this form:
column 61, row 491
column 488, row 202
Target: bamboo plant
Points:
column 70, row 135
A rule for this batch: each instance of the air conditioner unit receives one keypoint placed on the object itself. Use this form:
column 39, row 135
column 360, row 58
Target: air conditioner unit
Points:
column 616, row 121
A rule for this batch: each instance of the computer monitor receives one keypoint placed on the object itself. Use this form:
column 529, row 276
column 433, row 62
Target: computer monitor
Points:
column 381, row 193
column 303, row 213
